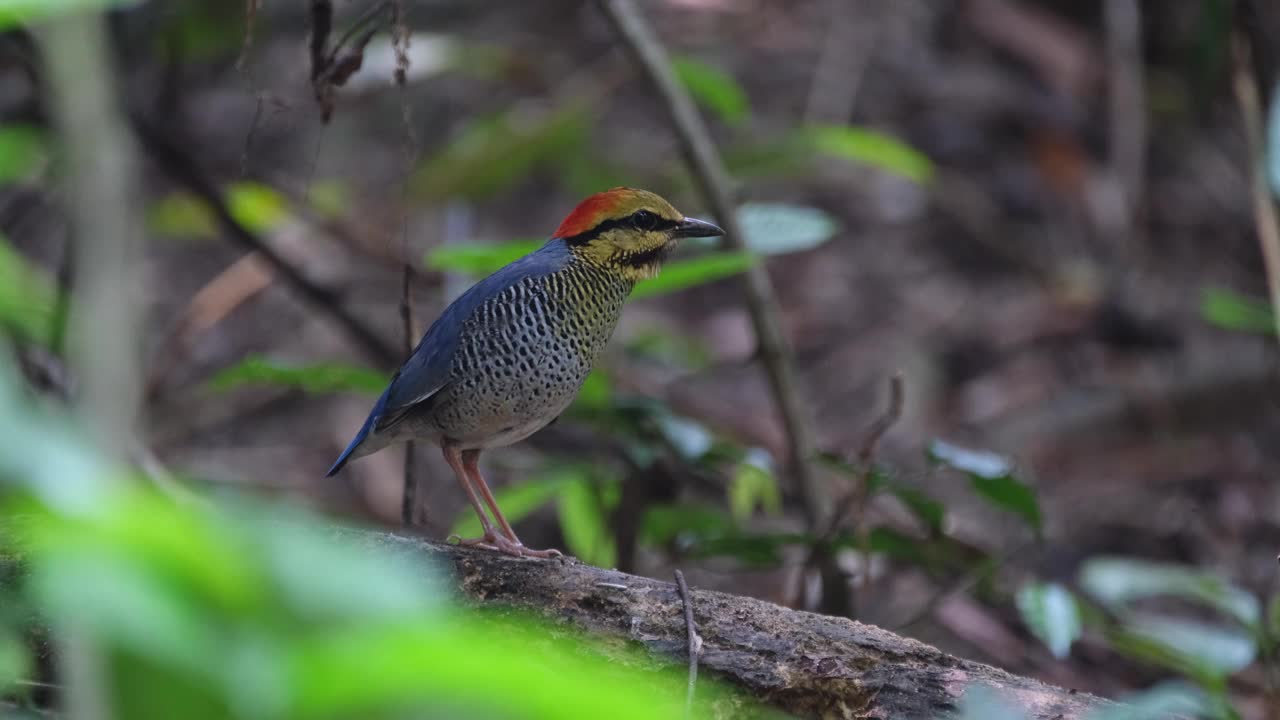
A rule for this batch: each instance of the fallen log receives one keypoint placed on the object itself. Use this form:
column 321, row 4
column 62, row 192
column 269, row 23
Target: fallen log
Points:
column 809, row 665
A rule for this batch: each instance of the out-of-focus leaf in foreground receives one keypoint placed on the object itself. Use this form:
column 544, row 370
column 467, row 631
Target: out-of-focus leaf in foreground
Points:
column 239, row 608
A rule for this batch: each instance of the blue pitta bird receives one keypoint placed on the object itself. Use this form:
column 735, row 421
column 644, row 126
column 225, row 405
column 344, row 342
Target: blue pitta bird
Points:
column 510, row 354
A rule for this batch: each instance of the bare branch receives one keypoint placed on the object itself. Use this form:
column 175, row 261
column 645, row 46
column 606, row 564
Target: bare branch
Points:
column 695, row 640
column 167, row 154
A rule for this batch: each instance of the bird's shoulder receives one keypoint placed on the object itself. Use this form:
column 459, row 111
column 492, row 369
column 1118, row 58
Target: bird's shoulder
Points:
column 428, row 367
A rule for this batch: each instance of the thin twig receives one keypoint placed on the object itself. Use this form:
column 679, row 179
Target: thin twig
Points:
column 857, row 498
column 168, row 155
column 1264, row 208
column 716, row 186
column 1127, row 143
column 251, row 8
column 400, row 41
column 695, row 641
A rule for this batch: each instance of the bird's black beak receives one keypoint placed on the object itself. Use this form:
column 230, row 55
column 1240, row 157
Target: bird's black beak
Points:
column 692, row 228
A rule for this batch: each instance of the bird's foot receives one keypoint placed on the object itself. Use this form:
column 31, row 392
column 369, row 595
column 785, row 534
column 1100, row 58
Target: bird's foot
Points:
column 491, row 541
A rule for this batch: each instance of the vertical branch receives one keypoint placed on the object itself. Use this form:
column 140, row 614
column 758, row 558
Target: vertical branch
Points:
column 400, row 42
column 1264, row 207
column 1127, row 141
column 716, row 187
column 99, row 158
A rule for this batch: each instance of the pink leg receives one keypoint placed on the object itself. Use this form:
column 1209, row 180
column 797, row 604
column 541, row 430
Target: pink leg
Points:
column 470, row 465
column 453, row 457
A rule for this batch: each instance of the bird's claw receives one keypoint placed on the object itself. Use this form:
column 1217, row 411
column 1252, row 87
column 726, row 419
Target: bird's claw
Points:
column 490, row 541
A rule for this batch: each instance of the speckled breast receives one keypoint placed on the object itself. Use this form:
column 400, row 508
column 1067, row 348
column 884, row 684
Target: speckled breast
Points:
column 523, row 355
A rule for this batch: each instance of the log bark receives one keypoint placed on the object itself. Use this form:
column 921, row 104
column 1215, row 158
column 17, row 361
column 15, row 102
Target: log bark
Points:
column 809, row 665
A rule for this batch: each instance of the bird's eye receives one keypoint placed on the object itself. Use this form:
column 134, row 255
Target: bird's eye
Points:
column 645, row 220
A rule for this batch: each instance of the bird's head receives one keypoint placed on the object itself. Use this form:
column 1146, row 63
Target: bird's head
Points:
column 628, row 231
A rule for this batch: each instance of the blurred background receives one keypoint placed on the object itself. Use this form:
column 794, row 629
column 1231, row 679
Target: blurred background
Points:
column 1039, row 216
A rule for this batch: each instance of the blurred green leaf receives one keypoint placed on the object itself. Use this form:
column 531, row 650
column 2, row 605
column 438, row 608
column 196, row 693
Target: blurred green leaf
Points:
column 479, row 260
column 1051, row 612
column 981, row 702
column 476, row 669
column 897, row 545
column 871, row 148
column 753, row 486
column 496, row 152
column 992, row 478
column 1233, row 311
column 777, row 229
column 596, row 394
column 663, row 524
column 1202, row 649
column 14, row 661
column 1117, row 582
column 517, row 501
column 689, row 437
column 134, row 607
column 27, row 297
column 317, row 379
column 712, row 88
column 329, row 198
column 14, row 13
column 929, row 511
column 583, row 523
column 254, row 205
column 22, row 149
column 683, row 274
column 1166, row 700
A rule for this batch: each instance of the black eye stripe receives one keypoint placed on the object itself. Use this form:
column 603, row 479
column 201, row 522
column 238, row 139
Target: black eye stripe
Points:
column 641, row 220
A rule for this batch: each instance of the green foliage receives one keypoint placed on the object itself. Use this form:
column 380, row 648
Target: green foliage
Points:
column 871, row 148
column 518, row 501
column 713, row 88
column 752, row 486
column 1232, row 311
column 992, row 478
column 1119, row 582
column 683, row 274
column 1206, row 651
column 254, row 205
column 27, row 297
column 494, row 153
column 16, row 13
column 316, row 379
column 1166, row 700
column 14, row 663
column 583, row 509
column 479, row 260
column 1050, row 611
column 236, row 608
column 22, row 150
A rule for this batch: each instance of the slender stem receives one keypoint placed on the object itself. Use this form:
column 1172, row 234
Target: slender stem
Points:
column 169, row 155
column 99, row 159
column 1264, row 208
column 695, row 642
column 716, row 186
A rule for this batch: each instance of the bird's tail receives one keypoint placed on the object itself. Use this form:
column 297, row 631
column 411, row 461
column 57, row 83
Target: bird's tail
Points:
column 367, row 441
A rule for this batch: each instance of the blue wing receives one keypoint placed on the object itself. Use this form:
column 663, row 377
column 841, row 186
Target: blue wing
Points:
column 427, row 369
